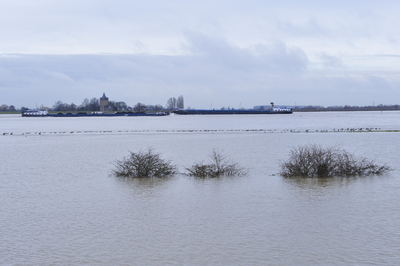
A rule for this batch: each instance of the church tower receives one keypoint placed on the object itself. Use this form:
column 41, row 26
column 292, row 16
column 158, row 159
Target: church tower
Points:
column 103, row 102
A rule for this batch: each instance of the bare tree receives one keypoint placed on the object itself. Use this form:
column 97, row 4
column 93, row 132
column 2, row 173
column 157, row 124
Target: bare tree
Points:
column 85, row 105
column 219, row 165
column 144, row 164
column 58, row 106
column 180, row 103
column 158, row 107
column 73, row 107
column 94, row 104
column 120, row 106
column 3, row 107
column 318, row 161
column 171, row 103
column 139, row 108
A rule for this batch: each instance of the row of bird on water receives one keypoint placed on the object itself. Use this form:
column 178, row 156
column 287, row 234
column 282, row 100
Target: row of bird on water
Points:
column 209, row 130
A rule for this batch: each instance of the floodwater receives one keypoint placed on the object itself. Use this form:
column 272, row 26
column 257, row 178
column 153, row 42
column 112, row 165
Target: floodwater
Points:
column 59, row 205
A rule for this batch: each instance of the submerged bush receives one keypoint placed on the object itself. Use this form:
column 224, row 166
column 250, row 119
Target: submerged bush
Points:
column 317, row 161
column 144, row 164
column 219, row 165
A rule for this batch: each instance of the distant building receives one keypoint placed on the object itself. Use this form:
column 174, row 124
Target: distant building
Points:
column 104, row 103
column 108, row 108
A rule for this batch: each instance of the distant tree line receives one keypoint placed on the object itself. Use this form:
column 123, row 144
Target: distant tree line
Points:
column 5, row 107
column 94, row 105
column 87, row 105
column 155, row 108
column 178, row 103
column 316, row 108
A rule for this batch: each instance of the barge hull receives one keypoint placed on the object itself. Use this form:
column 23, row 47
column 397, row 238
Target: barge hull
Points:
column 93, row 115
column 232, row 112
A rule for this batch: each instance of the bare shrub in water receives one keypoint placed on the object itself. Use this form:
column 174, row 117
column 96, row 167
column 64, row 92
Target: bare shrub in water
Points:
column 144, row 164
column 317, row 161
column 219, row 165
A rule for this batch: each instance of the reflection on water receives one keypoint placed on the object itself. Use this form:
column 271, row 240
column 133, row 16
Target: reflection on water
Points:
column 59, row 204
column 144, row 183
column 318, row 183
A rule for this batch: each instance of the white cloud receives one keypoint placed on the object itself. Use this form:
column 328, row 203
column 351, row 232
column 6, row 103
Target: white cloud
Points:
column 216, row 71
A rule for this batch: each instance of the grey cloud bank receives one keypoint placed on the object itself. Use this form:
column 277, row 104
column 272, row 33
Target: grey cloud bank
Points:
column 220, row 53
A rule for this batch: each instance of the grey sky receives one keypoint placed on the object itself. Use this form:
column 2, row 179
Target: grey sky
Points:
column 224, row 53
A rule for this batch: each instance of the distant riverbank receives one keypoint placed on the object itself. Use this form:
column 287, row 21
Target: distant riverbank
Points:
column 294, row 110
column 345, row 109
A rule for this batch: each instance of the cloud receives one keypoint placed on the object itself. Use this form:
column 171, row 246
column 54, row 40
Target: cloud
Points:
column 329, row 61
column 309, row 28
column 274, row 58
column 213, row 70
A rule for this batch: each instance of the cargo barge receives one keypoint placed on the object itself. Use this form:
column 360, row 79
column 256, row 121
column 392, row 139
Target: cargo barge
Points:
column 91, row 114
column 273, row 110
column 232, row 112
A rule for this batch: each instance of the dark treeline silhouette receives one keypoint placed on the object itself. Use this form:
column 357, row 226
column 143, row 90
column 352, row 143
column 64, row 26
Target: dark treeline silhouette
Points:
column 316, row 108
column 9, row 108
column 94, row 105
column 87, row 105
column 178, row 103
